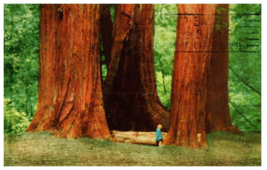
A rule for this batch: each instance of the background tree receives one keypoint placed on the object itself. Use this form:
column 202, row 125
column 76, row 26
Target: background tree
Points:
column 21, row 56
column 70, row 95
column 131, row 100
column 217, row 107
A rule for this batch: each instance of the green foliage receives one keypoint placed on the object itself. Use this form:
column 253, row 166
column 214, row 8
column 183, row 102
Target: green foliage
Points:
column 21, row 55
column 245, row 67
column 14, row 121
column 164, row 94
column 104, row 69
column 164, row 47
column 112, row 12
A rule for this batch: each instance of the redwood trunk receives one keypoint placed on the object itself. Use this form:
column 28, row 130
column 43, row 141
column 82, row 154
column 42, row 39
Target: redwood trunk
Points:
column 70, row 96
column 218, row 115
column 189, row 84
column 155, row 110
column 131, row 100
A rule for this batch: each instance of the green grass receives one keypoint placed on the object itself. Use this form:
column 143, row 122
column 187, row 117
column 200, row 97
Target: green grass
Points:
column 43, row 149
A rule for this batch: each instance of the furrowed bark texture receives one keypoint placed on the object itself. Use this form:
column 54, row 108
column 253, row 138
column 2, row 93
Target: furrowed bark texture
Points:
column 155, row 110
column 122, row 27
column 70, row 96
column 218, row 115
column 189, row 84
column 131, row 100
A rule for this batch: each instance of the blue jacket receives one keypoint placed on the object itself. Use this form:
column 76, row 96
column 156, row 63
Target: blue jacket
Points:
column 158, row 135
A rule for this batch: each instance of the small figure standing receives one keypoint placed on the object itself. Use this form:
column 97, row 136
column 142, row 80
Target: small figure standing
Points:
column 158, row 135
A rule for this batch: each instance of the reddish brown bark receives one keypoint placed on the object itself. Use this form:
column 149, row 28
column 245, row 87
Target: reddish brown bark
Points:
column 122, row 27
column 155, row 110
column 70, row 97
column 218, row 115
column 189, row 84
column 131, row 100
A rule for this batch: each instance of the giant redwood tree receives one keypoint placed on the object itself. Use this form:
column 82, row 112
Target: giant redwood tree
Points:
column 218, row 115
column 199, row 99
column 131, row 100
column 70, row 95
column 189, row 84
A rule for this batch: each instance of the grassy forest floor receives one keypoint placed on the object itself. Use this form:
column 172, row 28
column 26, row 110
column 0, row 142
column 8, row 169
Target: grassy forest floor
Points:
column 43, row 149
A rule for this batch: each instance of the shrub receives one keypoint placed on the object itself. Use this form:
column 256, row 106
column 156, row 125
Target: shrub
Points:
column 14, row 121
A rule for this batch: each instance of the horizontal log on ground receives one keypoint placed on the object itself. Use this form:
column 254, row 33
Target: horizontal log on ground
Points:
column 147, row 138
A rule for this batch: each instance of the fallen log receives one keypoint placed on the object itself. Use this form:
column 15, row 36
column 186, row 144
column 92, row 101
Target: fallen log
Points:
column 147, row 138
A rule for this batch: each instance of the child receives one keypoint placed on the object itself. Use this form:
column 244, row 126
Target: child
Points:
column 158, row 135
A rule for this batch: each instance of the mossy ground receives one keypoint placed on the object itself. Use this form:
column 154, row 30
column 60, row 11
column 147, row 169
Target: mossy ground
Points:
column 43, row 149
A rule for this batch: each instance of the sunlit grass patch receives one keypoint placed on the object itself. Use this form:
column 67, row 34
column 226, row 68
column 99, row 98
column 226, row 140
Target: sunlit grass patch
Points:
column 43, row 149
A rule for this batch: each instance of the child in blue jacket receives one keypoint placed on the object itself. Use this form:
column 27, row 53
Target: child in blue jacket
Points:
column 158, row 135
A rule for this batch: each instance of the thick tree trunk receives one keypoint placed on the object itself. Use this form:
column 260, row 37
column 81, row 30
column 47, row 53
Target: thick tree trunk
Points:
column 189, row 84
column 218, row 115
column 147, row 138
column 122, row 27
column 131, row 100
column 70, row 96
column 154, row 109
